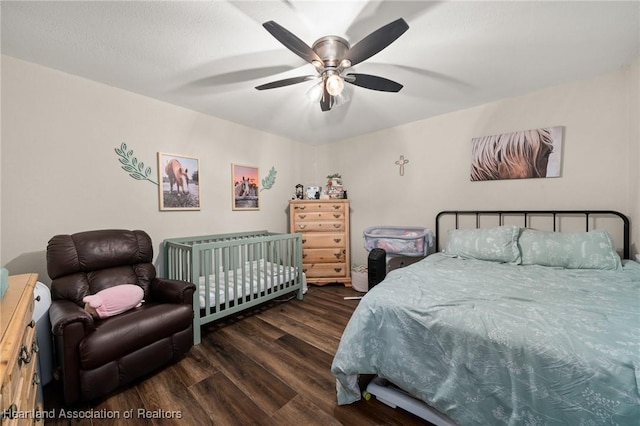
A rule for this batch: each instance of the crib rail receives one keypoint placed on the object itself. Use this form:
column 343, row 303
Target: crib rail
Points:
column 236, row 271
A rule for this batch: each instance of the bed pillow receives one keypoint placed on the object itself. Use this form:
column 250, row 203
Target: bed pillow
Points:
column 498, row 244
column 571, row 250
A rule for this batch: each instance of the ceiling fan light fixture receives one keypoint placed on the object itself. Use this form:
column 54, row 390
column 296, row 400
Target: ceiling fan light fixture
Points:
column 345, row 63
column 334, row 82
column 331, row 56
column 314, row 94
column 341, row 99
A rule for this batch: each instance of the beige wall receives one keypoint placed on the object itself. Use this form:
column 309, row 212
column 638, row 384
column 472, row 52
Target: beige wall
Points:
column 1, row 262
column 599, row 169
column 634, row 157
column 60, row 173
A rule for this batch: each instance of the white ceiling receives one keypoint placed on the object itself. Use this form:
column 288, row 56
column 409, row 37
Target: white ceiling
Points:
column 209, row 55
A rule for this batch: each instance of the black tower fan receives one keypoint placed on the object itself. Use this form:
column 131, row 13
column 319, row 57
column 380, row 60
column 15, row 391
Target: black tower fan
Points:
column 377, row 266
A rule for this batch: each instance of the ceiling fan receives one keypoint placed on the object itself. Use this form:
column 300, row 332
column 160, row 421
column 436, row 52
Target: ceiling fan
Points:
column 332, row 56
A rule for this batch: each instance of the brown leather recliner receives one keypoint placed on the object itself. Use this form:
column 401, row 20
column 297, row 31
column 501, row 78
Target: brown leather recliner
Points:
column 96, row 356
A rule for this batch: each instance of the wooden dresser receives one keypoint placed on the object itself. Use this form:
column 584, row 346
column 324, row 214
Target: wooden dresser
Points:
column 18, row 353
column 324, row 225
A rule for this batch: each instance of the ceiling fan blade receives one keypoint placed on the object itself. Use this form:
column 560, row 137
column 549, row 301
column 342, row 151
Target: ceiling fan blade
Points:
column 291, row 41
column 376, row 41
column 373, row 82
column 286, row 82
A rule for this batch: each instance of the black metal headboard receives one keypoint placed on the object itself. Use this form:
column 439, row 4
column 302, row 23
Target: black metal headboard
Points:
column 527, row 215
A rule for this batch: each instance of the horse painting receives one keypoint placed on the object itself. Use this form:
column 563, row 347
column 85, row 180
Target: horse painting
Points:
column 178, row 176
column 243, row 188
column 517, row 155
column 245, row 194
column 179, row 187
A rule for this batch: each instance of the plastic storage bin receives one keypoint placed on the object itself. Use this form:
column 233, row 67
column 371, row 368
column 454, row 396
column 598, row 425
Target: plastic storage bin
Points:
column 399, row 240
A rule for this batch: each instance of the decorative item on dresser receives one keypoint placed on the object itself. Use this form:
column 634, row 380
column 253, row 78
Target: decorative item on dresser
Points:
column 324, row 225
column 18, row 353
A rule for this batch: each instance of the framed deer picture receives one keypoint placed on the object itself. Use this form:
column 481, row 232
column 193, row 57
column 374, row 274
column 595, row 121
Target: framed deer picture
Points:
column 178, row 182
column 245, row 193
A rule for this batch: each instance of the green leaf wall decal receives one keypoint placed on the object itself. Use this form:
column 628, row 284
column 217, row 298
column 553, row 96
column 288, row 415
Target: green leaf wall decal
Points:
column 131, row 165
column 268, row 181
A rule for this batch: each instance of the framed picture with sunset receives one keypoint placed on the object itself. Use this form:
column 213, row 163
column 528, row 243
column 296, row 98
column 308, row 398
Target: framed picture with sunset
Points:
column 245, row 194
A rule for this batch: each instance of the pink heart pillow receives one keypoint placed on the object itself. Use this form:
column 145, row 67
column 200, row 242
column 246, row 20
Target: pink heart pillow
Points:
column 114, row 300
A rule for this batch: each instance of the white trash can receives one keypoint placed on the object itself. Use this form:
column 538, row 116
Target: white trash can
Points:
column 360, row 278
column 42, row 297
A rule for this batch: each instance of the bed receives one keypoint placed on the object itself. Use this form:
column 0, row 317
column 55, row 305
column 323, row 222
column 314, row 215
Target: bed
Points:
column 234, row 272
column 509, row 324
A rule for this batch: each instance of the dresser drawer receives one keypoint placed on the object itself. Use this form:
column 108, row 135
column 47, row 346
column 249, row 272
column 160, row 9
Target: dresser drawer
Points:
column 328, row 255
column 20, row 369
column 319, row 207
column 318, row 226
column 28, row 378
column 313, row 270
column 334, row 216
column 323, row 240
column 18, row 353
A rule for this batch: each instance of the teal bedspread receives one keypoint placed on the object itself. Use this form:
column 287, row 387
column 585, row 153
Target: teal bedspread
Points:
column 500, row 344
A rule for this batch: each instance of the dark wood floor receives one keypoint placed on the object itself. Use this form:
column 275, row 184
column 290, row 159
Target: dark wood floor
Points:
column 270, row 366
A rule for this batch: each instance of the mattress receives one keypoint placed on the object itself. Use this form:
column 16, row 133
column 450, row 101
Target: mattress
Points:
column 491, row 343
column 250, row 278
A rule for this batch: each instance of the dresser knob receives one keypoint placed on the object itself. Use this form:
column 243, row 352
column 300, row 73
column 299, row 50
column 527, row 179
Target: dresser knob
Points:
column 337, row 240
column 37, row 299
column 301, row 207
column 36, row 379
column 302, row 216
column 337, row 225
column 11, row 412
column 24, row 357
column 302, row 226
column 31, row 324
column 338, row 255
column 34, row 347
column 337, row 269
